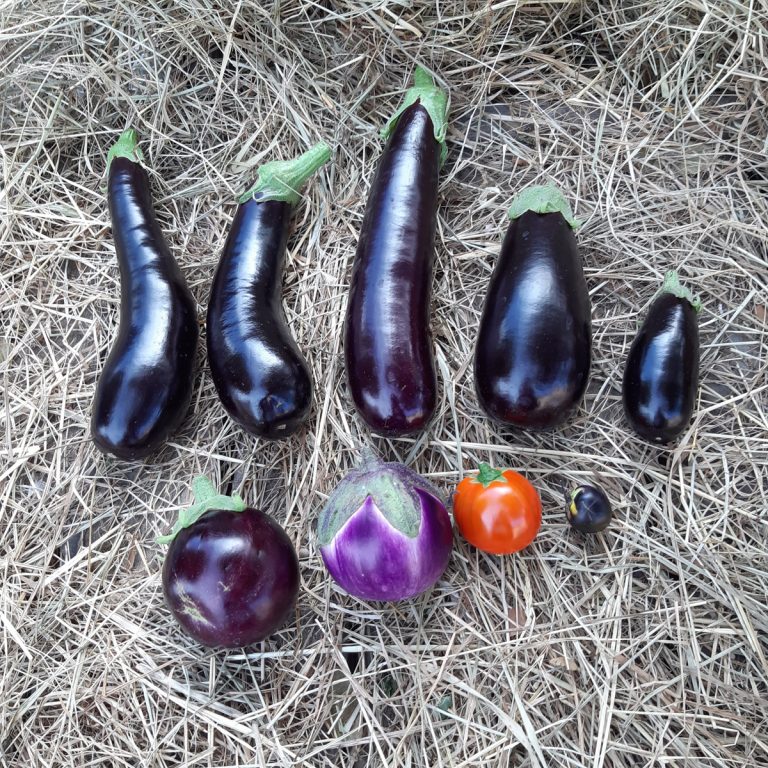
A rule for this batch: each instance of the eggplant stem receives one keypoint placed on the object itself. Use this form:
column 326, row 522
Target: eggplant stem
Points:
column 368, row 456
column 206, row 498
column 283, row 179
column 546, row 198
column 126, row 146
column 673, row 285
column 433, row 99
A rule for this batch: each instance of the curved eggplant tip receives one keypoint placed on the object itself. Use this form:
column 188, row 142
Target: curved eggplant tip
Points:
column 391, row 419
column 122, row 446
column 273, row 416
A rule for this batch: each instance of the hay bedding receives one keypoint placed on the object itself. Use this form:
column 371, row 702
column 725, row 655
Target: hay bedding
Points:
column 643, row 647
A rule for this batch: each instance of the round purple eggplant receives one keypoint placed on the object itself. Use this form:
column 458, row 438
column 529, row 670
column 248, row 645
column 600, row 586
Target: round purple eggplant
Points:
column 388, row 345
column 534, row 345
column 145, row 388
column 231, row 575
column 385, row 533
column 257, row 368
column 588, row 509
column 662, row 372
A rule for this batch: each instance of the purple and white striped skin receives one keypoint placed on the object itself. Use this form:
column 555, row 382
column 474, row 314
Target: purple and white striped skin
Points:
column 394, row 540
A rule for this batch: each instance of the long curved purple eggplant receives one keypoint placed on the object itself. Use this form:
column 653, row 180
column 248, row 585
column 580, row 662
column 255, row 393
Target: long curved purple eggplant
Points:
column 260, row 375
column 388, row 345
column 533, row 349
column 145, row 388
column 662, row 372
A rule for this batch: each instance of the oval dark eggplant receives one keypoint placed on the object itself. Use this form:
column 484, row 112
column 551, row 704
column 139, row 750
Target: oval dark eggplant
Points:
column 388, row 344
column 588, row 509
column 259, row 372
column 145, row 388
column 533, row 349
column 231, row 575
column 662, row 372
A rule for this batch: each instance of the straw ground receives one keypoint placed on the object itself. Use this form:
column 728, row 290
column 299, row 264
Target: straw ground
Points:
column 645, row 646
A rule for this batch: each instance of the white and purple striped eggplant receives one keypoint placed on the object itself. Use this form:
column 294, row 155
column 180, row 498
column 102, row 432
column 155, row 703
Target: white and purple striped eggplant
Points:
column 385, row 533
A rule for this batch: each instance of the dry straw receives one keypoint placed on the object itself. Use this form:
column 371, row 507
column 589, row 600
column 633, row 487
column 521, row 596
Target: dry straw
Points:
column 642, row 647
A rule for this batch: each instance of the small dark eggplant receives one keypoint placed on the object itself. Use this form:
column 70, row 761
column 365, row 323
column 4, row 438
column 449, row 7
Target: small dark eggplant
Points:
column 388, row 345
column 231, row 575
column 145, row 388
column 260, row 375
column 588, row 509
column 534, row 345
column 662, row 372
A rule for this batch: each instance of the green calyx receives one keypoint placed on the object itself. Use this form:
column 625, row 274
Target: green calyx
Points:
column 206, row 498
column 391, row 487
column 433, row 99
column 672, row 285
column 487, row 475
column 571, row 496
column 126, row 146
column 283, row 179
column 546, row 198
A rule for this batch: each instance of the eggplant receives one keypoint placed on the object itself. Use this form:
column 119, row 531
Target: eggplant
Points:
column 388, row 345
column 661, row 376
column 588, row 509
column 230, row 575
column 385, row 533
column 534, row 345
column 260, row 375
column 145, row 388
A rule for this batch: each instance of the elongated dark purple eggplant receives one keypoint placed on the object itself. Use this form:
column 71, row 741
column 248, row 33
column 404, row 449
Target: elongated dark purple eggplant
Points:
column 533, row 349
column 662, row 372
column 259, row 372
column 388, row 345
column 145, row 388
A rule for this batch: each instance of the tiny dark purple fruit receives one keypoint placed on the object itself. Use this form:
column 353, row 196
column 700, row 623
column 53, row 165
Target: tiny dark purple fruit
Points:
column 231, row 575
column 588, row 510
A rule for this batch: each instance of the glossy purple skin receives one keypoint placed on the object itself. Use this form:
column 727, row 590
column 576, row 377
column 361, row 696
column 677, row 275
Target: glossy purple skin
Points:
column 145, row 388
column 662, row 372
column 588, row 509
column 534, row 345
column 372, row 560
column 259, row 372
column 388, row 345
column 231, row 578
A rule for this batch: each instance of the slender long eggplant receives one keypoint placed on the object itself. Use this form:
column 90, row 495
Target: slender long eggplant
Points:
column 662, row 372
column 534, row 346
column 145, row 387
column 260, row 375
column 388, row 345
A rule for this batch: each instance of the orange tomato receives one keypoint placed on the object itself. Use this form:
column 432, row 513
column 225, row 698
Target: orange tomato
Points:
column 498, row 512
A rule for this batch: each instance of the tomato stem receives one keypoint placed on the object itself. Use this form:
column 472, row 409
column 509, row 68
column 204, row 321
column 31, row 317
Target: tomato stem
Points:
column 487, row 474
